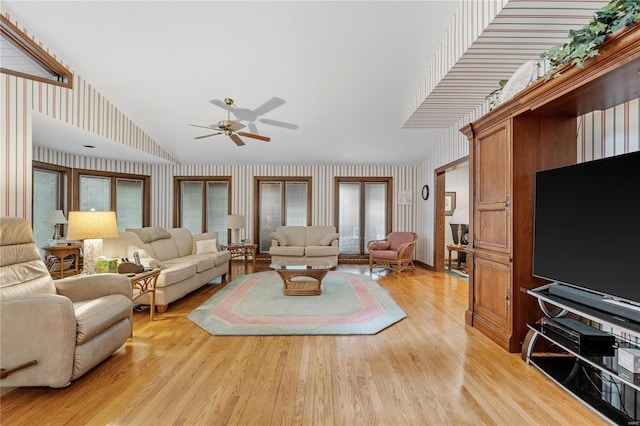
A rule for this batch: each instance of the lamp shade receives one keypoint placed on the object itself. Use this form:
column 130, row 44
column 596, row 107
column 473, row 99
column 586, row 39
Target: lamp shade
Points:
column 55, row 217
column 235, row 221
column 92, row 225
column 460, row 215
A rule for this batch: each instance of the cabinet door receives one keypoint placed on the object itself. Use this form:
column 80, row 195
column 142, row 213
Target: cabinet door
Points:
column 492, row 225
column 492, row 297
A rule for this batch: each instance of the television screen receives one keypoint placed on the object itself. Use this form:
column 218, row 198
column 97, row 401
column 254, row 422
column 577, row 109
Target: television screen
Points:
column 587, row 226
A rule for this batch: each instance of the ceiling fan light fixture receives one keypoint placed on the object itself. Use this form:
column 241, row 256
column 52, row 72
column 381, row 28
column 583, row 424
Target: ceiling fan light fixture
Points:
column 229, row 128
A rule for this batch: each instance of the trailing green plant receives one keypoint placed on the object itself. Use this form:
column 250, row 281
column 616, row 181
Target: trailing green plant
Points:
column 584, row 42
column 494, row 97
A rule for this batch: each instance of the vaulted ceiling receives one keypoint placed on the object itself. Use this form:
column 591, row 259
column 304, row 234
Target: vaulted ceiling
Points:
column 329, row 82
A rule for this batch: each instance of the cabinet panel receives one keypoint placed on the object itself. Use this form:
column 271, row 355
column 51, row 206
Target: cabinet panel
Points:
column 492, row 188
column 492, row 296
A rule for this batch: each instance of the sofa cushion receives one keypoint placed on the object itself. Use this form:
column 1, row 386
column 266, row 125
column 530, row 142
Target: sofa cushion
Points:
column 287, row 250
column 328, row 239
column 281, row 238
column 396, row 239
column 150, row 234
column 165, row 249
column 386, row 254
column 312, row 251
column 381, row 245
column 176, row 271
column 183, row 240
column 315, row 233
column 96, row 315
column 202, row 261
column 297, row 235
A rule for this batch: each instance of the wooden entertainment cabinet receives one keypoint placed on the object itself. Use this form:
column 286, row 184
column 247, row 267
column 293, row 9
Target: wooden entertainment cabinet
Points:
column 535, row 130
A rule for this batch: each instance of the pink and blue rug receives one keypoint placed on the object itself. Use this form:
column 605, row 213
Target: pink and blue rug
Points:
column 254, row 305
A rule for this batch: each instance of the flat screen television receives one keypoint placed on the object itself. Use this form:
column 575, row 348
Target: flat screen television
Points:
column 587, row 227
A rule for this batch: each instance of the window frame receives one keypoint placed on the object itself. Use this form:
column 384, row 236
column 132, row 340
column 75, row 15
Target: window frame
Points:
column 22, row 42
column 257, row 180
column 388, row 180
column 177, row 198
column 113, row 177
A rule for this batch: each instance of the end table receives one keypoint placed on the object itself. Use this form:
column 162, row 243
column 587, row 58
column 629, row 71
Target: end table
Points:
column 145, row 282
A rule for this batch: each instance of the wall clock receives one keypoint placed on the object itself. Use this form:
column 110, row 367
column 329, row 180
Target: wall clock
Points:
column 425, row 192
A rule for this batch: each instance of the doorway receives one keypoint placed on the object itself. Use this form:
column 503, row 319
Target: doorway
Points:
column 452, row 184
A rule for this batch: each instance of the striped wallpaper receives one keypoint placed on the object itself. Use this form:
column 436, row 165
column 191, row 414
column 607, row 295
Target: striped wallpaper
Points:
column 486, row 42
column 600, row 134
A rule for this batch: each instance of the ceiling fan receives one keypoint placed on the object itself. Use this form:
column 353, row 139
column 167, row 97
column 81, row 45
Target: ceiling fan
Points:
column 230, row 128
column 253, row 116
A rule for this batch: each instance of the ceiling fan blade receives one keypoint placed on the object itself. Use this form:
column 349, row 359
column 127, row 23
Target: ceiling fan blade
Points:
column 219, row 103
column 236, row 126
column 236, row 139
column 206, row 136
column 204, row 127
column 278, row 123
column 250, row 135
column 271, row 104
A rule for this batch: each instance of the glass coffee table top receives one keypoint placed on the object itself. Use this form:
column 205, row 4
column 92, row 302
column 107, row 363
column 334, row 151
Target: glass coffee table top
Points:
column 296, row 265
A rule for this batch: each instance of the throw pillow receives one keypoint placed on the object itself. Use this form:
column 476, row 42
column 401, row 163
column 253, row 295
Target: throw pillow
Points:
column 206, row 246
column 150, row 262
column 282, row 239
column 327, row 239
column 381, row 246
column 141, row 252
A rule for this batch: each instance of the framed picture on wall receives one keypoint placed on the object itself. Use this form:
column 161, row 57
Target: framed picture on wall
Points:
column 449, row 203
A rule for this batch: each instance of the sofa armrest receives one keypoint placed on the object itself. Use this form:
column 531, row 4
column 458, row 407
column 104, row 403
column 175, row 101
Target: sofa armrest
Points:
column 86, row 287
column 41, row 328
column 275, row 243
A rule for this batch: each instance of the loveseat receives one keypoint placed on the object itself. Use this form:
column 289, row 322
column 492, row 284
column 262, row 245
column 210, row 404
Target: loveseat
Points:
column 305, row 243
column 52, row 332
column 187, row 261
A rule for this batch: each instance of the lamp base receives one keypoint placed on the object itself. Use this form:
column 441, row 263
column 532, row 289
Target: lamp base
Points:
column 92, row 250
column 236, row 236
column 56, row 231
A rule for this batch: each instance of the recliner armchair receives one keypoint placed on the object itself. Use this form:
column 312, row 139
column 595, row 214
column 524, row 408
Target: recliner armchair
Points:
column 52, row 332
column 394, row 252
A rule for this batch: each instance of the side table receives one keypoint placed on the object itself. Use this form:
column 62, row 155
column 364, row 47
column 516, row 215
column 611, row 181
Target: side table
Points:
column 145, row 282
column 243, row 250
column 60, row 252
column 459, row 249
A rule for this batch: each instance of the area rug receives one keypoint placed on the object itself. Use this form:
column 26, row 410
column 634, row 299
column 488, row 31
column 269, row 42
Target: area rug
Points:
column 253, row 304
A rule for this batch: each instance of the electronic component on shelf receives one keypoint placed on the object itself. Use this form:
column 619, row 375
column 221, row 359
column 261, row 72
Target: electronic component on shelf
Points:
column 629, row 359
column 588, row 340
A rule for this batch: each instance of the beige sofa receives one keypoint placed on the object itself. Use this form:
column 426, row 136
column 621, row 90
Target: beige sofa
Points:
column 186, row 261
column 52, row 332
column 305, row 243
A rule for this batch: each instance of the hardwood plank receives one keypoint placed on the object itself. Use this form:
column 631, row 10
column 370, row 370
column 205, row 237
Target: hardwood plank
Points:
column 429, row 368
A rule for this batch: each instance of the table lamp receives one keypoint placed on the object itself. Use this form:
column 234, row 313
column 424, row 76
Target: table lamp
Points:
column 92, row 227
column 56, row 218
column 235, row 222
column 461, row 217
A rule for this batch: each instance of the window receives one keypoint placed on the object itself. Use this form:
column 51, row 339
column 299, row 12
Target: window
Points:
column 22, row 57
column 363, row 212
column 202, row 204
column 49, row 193
column 126, row 194
column 281, row 201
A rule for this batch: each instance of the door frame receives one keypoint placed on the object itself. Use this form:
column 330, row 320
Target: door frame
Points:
column 438, row 230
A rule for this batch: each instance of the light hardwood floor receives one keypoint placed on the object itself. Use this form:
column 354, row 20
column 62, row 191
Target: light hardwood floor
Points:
column 428, row 369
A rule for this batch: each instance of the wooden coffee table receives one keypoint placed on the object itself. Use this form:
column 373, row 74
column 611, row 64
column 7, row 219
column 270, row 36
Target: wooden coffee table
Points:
column 314, row 271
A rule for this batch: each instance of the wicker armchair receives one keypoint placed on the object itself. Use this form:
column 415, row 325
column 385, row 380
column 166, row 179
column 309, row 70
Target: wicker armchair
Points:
column 394, row 252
